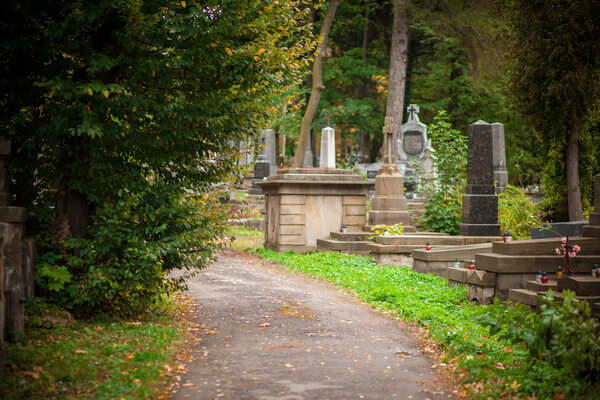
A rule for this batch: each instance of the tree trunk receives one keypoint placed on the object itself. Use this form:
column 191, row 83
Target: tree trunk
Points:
column 362, row 152
column 397, row 79
column 317, row 88
column 73, row 215
column 572, row 167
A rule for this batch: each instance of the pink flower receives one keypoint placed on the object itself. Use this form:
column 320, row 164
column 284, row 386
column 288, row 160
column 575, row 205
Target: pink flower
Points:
column 572, row 254
column 557, row 251
column 564, row 239
column 576, row 248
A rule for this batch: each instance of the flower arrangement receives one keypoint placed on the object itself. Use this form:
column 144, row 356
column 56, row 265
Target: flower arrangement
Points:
column 567, row 251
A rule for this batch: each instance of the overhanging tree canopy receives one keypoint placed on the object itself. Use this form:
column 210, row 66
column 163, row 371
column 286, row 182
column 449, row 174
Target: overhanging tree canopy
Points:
column 111, row 103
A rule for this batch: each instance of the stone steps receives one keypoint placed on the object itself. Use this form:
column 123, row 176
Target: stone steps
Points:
column 541, row 287
column 351, row 236
column 586, row 288
column 346, row 246
column 530, row 264
column 524, row 296
column 435, row 240
column 589, row 246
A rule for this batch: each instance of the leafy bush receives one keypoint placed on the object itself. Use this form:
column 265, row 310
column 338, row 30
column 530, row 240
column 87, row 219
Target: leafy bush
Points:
column 516, row 213
column 562, row 342
column 443, row 210
column 136, row 239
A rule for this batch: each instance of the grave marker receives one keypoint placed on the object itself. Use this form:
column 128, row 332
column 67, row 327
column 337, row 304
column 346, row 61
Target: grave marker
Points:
column 480, row 202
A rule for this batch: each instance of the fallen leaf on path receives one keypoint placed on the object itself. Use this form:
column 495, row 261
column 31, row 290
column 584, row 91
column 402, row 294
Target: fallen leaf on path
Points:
column 211, row 332
column 81, row 352
column 264, row 325
column 288, row 366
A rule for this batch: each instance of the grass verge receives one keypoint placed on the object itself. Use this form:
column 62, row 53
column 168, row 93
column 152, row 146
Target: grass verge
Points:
column 499, row 366
column 97, row 359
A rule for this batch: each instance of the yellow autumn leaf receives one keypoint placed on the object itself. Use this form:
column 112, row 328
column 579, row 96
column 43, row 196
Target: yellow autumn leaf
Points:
column 106, row 93
column 134, row 108
column 90, row 91
column 260, row 51
column 255, row 58
column 153, row 74
column 213, row 45
column 515, row 385
column 183, row 4
column 228, row 50
column 167, row 65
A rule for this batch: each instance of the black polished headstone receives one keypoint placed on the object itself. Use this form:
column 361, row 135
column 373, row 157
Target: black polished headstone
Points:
column 480, row 203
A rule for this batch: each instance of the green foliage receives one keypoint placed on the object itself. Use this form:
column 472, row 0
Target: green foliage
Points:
column 554, row 80
column 562, row 341
column 49, row 276
column 443, row 210
column 516, row 213
column 94, row 359
column 123, row 116
column 499, row 365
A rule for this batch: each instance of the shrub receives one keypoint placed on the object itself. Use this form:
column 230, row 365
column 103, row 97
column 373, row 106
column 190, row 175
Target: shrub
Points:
column 443, row 209
column 516, row 213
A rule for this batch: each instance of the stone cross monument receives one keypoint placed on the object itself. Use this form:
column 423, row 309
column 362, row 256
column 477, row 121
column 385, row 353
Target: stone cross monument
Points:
column 414, row 148
column 480, row 202
column 389, row 203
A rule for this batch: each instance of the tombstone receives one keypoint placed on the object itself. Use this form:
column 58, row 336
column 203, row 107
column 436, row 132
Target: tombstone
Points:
column 327, row 158
column 308, row 154
column 271, row 150
column 480, row 202
column 500, row 173
column 413, row 140
column 261, row 168
column 389, row 203
column 412, row 146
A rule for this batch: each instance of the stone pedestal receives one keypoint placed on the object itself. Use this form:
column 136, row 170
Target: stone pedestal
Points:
column 480, row 203
column 389, row 203
column 306, row 204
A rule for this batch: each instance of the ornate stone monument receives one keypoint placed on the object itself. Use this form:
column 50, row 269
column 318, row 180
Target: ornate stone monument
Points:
column 414, row 136
column 413, row 148
column 480, row 202
column 389, row 203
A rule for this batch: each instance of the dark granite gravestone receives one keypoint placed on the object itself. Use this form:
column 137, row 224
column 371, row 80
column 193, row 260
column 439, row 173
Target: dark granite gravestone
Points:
column 261, row 168
column 480, row 202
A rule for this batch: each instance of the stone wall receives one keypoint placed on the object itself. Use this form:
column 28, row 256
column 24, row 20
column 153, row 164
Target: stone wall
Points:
column 16, row 262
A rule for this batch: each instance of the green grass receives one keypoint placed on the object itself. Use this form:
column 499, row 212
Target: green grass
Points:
column 489, row 366
column 95, row 359
column 242, row 238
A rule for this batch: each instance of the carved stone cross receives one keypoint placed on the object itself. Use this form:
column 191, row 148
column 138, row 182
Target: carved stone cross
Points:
column 412, row 110
column 388, row 142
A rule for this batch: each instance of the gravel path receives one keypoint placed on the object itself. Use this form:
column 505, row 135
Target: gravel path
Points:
column 264, row 333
